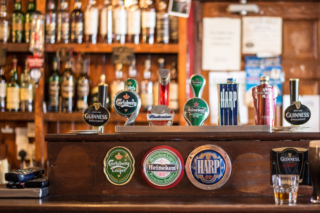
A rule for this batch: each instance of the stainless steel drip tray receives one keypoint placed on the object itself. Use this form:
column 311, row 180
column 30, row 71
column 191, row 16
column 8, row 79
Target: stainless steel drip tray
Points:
column 150, row 129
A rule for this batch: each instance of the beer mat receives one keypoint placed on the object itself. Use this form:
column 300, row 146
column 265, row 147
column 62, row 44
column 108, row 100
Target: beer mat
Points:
column 23, row 193
column 290, row 129
column 84, row 132
column 179, row 129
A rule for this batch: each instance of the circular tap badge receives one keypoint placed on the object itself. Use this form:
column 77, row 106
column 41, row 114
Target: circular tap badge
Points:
column 118, row 165
column 125, row 102
column 162, row 167
column 208, row 167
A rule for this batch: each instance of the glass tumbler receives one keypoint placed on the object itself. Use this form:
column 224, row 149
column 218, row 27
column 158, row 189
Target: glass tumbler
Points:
column 285, row 188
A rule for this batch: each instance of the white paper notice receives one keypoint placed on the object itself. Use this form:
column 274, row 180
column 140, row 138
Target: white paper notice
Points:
column 262, row 35
column 313, row 103
column 221, row 44
column 221, row 77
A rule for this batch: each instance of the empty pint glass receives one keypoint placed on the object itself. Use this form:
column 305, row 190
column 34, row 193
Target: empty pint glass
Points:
column 314, row 167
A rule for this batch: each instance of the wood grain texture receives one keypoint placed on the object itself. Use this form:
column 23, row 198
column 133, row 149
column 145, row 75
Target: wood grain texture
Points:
column 16, row 116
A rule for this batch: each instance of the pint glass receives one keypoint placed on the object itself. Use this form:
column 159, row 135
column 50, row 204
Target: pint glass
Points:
column 314, row 166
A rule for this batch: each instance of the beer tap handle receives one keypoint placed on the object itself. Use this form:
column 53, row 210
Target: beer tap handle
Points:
column 102, row 94
column 294, row 90
column 164, row 80
column 131, row 84
column 197, row 83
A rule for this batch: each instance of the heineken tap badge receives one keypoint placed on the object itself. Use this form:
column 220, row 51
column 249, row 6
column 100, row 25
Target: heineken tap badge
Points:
column 127, row 102
column 161, row 115
column 196, row 110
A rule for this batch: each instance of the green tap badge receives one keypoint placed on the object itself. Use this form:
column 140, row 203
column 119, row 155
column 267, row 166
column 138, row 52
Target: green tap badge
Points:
column 127, row 102
column 196, row 110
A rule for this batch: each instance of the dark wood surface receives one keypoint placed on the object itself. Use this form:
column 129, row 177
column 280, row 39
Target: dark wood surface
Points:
column 197, row 136
column 16, row 116
column 156, row 204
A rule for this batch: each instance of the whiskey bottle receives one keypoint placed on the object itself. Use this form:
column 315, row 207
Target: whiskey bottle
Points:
column 67, row 88
column 26, row 91
column 118, row 83
column 83, row 88
column 27, row 26
column 51, row 20
column 63, row 23
column 132, row 73
column 173, row 25
column 148, row 21
column 162, row 24
column 106, row 25
column 77, row 23
column 18, row 20
column 91, row 22
column 173, row 90
column 156, row 83
column 120, row 22
column 4, row 23
column 3, row 90
column 54, row 87
column 134, row 20
column 13, row 89
column 146, row 88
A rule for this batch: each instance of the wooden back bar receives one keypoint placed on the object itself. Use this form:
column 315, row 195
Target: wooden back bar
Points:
column 75, row 162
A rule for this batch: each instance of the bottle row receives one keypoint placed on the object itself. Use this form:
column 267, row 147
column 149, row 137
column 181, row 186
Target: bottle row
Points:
column 113, row 23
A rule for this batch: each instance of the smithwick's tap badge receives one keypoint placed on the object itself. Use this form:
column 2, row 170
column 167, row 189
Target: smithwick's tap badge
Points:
column 118, row 165
column 96, row 115
column 208, row 167
column 291, row 161
column 162, row 167
column 127, row 102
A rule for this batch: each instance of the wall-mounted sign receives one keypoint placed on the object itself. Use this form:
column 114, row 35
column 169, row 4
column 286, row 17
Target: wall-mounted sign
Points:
column 96, row 115
column 208, row 167
column 122, row 55
column 118, row 165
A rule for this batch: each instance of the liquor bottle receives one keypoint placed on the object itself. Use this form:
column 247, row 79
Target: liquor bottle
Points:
column 174, row 97
column 54, row 87
column 77, row 23
column 106, row 25
column 173, row 25
column 3, row 90
column 83, row 88
column 4, row 23
column 118, row 83
column 134, row 20
column 13, row 89
column 67, row 88
column 162, row 24
column 37, row 33
column 18, row 20
column 63, row 23
column 148, row 21
column 120, row 22
column 91, row 22
column 132, row 73
column 264, row 101
column 51, row 20
column 156, row 83
column 26, row 91
column 146, row 88
column 27, row 26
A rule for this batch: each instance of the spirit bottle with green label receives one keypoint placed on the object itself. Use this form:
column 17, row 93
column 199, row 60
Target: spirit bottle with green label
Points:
column 18, row 20
column 77, row 23
column 148, row 21
column 118, row 83
column 132, row 73
column 146, row 88
column 63, row 23
column 91, row 19
column 3, row 90
column 106, row 23
column 120, row 22
column 67, row 88
column 134, row 23
column 54, row 87
column 26, row 91
column 83, row 88
column 27, row 26
column 4, row 23
column 162, row 23
column 51, row 22
column 13, row 90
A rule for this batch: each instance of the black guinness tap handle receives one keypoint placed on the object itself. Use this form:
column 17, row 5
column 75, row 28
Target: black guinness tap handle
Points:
column 294, row 90
column 102, row 93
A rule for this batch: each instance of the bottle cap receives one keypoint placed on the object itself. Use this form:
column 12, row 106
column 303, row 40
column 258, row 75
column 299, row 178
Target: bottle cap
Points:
column 264, row 79
column 231, row 80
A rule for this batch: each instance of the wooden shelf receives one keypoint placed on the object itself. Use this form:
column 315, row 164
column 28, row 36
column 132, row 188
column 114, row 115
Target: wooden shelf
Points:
column 16, row 47
column 107, row 48
column 16, row 116
column 77, row 117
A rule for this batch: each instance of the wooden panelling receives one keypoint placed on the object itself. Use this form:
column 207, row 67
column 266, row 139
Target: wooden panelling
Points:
column 301, row 69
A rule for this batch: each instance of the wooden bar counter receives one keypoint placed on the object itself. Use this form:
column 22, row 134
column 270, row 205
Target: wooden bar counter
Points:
column 78, row 183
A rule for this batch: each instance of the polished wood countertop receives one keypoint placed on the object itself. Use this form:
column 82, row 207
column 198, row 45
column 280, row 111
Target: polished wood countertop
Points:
column 156, row 204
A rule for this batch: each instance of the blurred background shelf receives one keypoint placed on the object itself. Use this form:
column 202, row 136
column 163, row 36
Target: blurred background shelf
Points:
column 16, row 116
column 16, row 47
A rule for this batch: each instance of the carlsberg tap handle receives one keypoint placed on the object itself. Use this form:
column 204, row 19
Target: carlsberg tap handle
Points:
column 197, row 83
column 131, row 84
column 294, row 90
column 102, row 94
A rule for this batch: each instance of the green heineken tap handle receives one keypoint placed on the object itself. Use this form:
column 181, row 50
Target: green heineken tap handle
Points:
column 197, row 83
column 131, row 84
